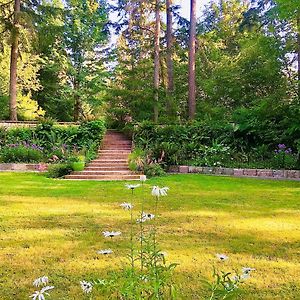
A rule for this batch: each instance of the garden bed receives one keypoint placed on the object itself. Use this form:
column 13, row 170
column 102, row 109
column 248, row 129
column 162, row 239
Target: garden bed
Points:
column 219, row 146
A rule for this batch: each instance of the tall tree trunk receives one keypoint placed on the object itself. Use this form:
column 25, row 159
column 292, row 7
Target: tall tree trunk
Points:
column 77, row 103
column 130, row 11
column 192, row 62
column 156, row 59
column 14, row 63
column 170, row 67
column 298, row 53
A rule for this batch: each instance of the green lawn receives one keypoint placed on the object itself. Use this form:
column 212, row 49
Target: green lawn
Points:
column 53, row 227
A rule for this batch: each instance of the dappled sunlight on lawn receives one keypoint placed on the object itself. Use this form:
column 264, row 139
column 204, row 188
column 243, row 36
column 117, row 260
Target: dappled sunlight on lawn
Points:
column 60, row 236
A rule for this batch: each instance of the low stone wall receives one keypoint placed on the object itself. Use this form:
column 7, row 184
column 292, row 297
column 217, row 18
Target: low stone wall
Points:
column 260, row 173
column 12, row 124
column 19, row 167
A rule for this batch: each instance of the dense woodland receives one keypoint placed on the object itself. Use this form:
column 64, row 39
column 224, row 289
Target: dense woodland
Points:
column 237, row 65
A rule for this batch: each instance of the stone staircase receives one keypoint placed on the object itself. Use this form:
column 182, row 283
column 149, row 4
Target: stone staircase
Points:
column 112, row 160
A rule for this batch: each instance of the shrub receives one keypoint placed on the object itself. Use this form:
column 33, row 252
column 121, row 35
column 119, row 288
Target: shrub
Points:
column 212, row 144
column 153, row 170
column 59, row 170
column 89, row 133
column 57, row 142
column 136, row 160
column 284, row 158
column 25, row 153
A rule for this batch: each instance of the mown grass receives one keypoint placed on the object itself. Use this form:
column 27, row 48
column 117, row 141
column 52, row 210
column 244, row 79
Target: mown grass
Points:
column 53, row 227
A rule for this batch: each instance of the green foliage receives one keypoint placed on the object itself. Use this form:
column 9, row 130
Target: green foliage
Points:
column 20, row 153
column 154, row 170
column 147, row 274
column 58, row 170
column 137, row 160
column 54, row 143
column 223, row 286
column 89, row 132
column 212, row 143
column 140, row 161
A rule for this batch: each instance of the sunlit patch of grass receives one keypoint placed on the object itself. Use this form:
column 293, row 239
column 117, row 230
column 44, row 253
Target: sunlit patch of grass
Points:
column 54, row 228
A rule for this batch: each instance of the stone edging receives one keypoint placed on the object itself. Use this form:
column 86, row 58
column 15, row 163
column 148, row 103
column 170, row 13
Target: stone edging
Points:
column 259, row 173
column 20, row 167
column 13, row 124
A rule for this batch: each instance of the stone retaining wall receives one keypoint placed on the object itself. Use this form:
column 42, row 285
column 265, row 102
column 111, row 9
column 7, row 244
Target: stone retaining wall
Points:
column 10, row 124
column 259, row 173
column 19, row 167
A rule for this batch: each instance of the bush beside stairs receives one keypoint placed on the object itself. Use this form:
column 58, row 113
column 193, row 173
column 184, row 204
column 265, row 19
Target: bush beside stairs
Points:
column 112, row 160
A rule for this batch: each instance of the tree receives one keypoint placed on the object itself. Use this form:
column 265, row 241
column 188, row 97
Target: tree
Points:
column 192, row 62
column 170, row 66
column 298, row 51
column 84, row 37
column 282, row 19
column 19, row 63
column 14, row 63
column 156, row 59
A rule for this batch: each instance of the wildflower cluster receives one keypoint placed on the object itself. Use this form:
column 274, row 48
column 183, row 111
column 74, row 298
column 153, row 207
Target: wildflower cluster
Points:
column 45, row 288
column 282, row 148
column 226, row 284
column 147, row 274
column 26, row 145
column 145, row 217
column 284, row 158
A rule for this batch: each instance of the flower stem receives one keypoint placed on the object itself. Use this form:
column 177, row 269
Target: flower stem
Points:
column 155, row 242
column 131, row 235
column 141, row 235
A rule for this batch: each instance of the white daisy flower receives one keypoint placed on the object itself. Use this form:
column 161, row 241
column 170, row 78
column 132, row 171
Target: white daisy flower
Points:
column 132, row 186
column 157, row 191
column 143, row 178
column 141, row 220
column 105, row 251
column 40, row 295
column 247, row 270
column 163, row 254
column 145, row 217
column 148, row 215
column 245, row 276
column 86, row 286
column 222, row 257
column 246, row 273
column 41, row 281
column 126, row 206
column 111, row 234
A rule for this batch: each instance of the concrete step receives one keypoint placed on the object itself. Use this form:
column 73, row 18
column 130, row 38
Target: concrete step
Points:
column 112, row 151
column 119, row 156
column 113, row 172
column 108, row 168
column 113, row 141
column 103, row 177
column 105, row 165
column 116, row 149
column 114, row 154
column 110, row 161
column 116, row 138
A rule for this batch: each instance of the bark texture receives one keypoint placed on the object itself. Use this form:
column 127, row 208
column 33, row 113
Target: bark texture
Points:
column 192, row 62
column 298, row 53
column 14, row 63
column 170, row 67
column 156, row 59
